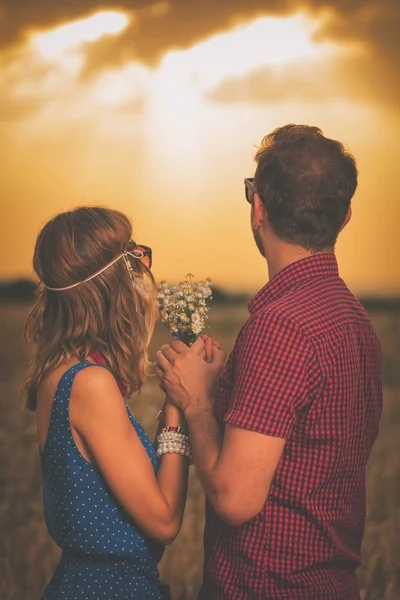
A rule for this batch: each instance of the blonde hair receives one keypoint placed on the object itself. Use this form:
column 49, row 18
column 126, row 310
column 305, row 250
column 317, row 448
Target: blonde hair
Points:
column 107, row 314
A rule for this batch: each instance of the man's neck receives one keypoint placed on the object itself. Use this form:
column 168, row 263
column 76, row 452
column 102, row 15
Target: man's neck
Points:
column 285, row 254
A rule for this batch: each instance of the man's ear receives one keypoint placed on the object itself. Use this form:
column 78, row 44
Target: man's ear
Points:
column 346, row 219
column 259, row 213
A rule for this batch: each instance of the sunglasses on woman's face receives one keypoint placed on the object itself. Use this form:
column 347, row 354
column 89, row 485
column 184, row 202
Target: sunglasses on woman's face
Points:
column 144, row 254
column 250, row 189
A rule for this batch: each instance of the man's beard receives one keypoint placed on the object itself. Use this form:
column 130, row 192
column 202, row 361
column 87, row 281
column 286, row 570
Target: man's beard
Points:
column 257, row 238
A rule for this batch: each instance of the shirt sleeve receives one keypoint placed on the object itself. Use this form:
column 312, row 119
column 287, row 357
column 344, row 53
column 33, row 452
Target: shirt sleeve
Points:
column 270, row 376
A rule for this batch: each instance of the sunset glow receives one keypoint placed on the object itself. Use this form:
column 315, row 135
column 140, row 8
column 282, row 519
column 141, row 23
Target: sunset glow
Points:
column 161, row 110
column 177, row 110
column 165, row 127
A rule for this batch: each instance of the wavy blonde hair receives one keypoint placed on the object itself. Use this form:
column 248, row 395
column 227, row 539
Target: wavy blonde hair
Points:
column 107, row 314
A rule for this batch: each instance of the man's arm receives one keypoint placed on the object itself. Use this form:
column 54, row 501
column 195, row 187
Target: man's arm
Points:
column 236, row 466
column 236, row 469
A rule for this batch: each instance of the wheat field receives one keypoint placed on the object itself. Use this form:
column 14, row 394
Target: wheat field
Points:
column 28, row 556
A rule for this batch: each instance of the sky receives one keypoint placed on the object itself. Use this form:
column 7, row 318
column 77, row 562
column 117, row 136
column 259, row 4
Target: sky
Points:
column 156, row 108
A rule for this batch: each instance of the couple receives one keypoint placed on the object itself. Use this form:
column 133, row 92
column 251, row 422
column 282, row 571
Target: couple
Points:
column 280, row 434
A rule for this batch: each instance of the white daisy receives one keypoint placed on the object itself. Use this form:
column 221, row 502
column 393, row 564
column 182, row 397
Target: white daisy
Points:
column 196, row 328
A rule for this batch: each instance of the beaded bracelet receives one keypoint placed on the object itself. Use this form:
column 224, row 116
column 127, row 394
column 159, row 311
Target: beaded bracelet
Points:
column 182, row 450
column 174, row 442
column 172, row 436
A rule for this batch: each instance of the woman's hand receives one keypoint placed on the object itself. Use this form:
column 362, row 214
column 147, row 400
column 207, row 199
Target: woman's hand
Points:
column 206, row 351
column 208, row 346
column 170, row 415
column 174, row 417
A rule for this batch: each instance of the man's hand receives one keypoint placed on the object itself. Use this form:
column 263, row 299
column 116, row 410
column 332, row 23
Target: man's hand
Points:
column 186, row 376
column 206, row 352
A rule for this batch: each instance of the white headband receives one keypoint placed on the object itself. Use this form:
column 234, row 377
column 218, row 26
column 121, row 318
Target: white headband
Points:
column 123, row 255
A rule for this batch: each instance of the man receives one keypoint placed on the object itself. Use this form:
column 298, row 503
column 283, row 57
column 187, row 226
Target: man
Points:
column 282, row 440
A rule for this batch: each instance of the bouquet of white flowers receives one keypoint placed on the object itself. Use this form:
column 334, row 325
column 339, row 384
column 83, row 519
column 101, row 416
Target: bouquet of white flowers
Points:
column 183, row 307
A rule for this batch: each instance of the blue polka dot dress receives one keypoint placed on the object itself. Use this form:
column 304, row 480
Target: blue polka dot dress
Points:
column 105, row 556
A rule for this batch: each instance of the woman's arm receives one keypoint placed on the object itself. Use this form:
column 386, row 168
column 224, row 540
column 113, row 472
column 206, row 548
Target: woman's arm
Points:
column 172, row 474
column 161, row 420
column 98, row 414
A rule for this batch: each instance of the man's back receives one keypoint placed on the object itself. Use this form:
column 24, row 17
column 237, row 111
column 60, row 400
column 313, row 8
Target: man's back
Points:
column 306, row 367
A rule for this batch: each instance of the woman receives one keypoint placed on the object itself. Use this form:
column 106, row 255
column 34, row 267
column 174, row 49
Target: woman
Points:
column 110, row 504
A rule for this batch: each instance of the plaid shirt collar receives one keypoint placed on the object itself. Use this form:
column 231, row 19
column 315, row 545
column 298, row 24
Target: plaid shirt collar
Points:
column 317, row 265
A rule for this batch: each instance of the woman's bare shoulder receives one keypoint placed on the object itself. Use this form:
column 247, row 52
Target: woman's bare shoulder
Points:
column 94, row 393
column 95, row 379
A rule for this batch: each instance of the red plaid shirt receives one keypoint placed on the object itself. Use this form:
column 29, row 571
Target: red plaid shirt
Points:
column 306, row 367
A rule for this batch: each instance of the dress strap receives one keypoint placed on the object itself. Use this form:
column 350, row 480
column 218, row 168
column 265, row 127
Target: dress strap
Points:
column 59, row 420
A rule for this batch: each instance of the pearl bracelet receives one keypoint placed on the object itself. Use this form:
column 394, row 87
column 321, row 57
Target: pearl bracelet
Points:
column 171, row 442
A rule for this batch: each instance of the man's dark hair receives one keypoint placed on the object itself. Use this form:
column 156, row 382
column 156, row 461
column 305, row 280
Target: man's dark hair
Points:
column 306, row 182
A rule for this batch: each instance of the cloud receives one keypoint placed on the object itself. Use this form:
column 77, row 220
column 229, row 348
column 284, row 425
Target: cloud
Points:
column 368, row 72
column 176, row 23
column 160, row 26
column 21, row 91
column 351, row 77
column 376, row 24
column 269, row 85
column 16, row 21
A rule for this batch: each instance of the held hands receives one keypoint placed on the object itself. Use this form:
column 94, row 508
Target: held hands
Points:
column 189, row 375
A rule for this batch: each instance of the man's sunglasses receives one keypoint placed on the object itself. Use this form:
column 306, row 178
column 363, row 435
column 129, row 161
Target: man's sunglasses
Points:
column 144, row 254
column 250, row 189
